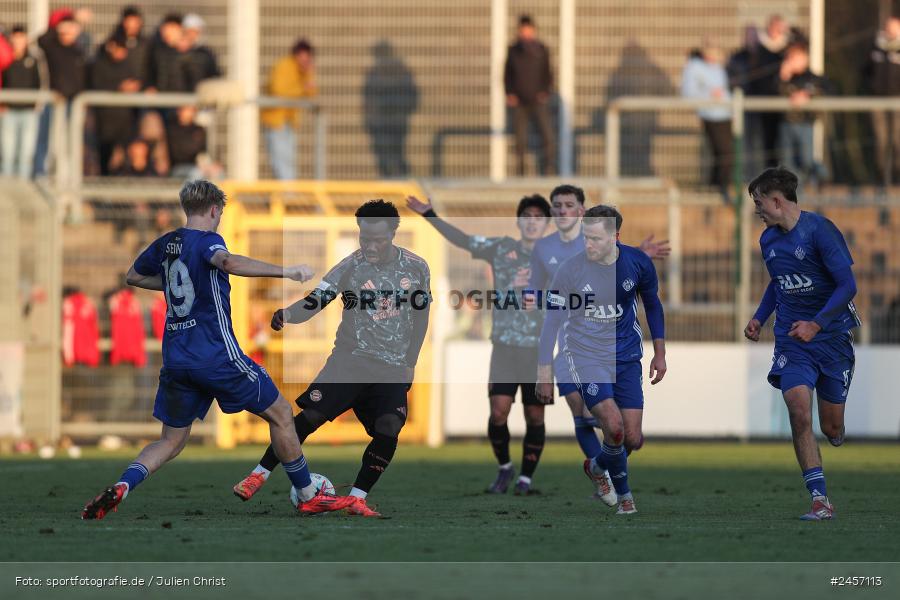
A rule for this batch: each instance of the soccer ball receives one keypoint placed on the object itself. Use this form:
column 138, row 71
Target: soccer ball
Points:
column 320, row 481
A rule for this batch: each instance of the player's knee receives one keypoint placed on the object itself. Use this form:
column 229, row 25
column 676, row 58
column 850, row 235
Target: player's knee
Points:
column 616, row 435
column 534, row 415
column 499, row 414
column 389, row 425
column 633, row 440
column 829, row 429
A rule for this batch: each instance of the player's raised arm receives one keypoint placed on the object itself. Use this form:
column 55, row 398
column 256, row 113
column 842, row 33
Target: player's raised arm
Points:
column 455, row 236
column 244, row 266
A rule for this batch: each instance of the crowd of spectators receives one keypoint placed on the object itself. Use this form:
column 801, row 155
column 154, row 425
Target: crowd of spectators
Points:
column 773, row 60
column 121, row 140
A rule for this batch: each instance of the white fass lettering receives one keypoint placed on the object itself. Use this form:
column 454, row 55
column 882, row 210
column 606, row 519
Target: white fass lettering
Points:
column 179, row 287
column 795, row 281
column 604, row 312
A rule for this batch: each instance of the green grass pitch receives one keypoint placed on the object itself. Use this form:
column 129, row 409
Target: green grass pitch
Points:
column 696, row 502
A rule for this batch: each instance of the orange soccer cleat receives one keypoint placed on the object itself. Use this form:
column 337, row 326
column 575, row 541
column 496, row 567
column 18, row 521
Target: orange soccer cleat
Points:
column 107, row 501
column 359, row 508
column 249, row 485
column 323, row 502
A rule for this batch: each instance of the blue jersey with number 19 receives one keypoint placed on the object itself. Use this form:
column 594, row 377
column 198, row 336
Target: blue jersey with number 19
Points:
column 198, row 330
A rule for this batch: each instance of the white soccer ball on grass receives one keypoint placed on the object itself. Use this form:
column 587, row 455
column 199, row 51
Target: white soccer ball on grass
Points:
column 320, row 481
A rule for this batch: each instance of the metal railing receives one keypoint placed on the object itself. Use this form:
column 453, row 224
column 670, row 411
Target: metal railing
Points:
column 84, row 100
column 739, row 106
column 58, row 148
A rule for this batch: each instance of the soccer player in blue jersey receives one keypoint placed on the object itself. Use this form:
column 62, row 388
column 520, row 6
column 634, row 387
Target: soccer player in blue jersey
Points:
column 567, row 208
column 593, row 299
column 811, row 292
column 201, row 358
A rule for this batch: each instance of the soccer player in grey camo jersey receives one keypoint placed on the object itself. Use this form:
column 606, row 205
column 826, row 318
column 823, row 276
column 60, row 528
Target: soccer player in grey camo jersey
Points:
column 514, row 333
column 387, row 297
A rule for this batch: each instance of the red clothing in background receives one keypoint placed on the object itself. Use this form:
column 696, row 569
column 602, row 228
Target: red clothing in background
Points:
column 126, row 329
column 158, row 316
column 80, row 331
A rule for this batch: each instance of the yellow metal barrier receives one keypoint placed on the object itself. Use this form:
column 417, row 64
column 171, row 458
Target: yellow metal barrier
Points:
column 259, row 218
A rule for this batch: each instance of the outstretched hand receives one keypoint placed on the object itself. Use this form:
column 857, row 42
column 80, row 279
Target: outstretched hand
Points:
column 653, row 249
column 417, row 206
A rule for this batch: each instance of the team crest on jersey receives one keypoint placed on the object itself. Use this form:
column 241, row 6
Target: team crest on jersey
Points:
column 592, row 389
column 799, row 253
column 781, row 361
column 627, row 285
column 404, row 283
column 315, row 395
column 552, row 260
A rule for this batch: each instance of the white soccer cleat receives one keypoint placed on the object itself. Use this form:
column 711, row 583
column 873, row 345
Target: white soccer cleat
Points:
column 605, row 490
column 626, row 506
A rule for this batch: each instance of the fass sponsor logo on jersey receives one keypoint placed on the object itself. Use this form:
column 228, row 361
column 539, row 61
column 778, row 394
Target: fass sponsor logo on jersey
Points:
column 602, row 312
column 795, row 282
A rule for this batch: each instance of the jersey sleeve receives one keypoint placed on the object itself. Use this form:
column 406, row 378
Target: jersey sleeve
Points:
column 832, row 247
column 484, row 248
column 649, row 283
column 331, row 285
column 212, row 243
column 649, row 291
column 149, row 263
column 538, row 278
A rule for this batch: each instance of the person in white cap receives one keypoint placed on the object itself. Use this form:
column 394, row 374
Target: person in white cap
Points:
column 201, row 61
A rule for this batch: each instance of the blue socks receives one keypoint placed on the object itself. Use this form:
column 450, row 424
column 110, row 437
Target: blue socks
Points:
column 134, row 475
column 815, row 481
column 587, row 439
column 298, row 473
column 614, row 460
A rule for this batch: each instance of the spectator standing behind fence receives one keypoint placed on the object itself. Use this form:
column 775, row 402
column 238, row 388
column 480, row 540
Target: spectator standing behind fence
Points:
column 762, row 80
column 883, row 73
column 528, row 81
column 66, row 64
column 800, row 84
column 167, row 65
column 112, row 71
column 705, row 77
column 293, row 76
column 19, row 121
column 187, row 147
column 200, row 60
column 131, row 24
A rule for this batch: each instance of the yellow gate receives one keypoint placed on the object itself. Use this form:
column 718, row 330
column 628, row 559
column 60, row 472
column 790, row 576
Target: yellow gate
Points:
column 259, row 219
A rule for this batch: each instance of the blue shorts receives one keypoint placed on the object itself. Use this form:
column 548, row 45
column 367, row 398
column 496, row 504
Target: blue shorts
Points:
column 564, row 383
column 187, row 394
column 627, row 391
column 826, row 366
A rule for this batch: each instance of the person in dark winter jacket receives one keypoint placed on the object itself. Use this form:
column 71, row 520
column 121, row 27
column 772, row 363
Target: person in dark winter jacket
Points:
column 131, row 24
column 800, row 84
column 528, row 81
column 65, row 58
column 168, row 62
column 763, row 80
column 200, row 60
column 884, row 80
column 112, row 71
column 18, row 123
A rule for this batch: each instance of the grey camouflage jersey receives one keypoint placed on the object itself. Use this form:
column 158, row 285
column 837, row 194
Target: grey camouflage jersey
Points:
column 511, row 265
column 379, row 302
